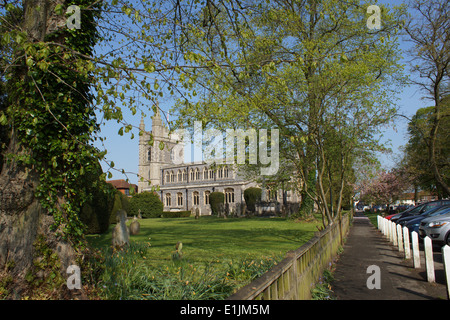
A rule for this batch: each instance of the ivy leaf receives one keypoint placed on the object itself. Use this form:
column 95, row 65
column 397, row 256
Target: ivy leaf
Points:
column 59, row 9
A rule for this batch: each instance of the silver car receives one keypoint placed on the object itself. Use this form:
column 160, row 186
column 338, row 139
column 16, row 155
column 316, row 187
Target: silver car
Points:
column 437, row 228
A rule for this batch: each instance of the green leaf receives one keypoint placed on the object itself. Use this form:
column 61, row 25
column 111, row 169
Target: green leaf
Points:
column 59, row 9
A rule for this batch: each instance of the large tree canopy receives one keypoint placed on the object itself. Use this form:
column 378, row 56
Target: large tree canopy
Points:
column 312, row 69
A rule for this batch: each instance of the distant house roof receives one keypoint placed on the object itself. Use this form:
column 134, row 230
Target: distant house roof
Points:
column 122, row 185
column 421, row 195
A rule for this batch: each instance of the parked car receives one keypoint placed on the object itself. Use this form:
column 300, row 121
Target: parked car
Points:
column 414, row 223
column 404, row 220
column 401, row 209
column 419, row 209
column 437, row 228
column 404, row 207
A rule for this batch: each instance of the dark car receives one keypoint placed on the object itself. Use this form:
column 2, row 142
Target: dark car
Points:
column 404, row 220
column 414, row 224
column 417, row 210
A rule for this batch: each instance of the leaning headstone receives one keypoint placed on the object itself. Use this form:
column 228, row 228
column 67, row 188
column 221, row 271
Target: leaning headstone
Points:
column 178, row 254
column 197, row 213
column 135, row 227
column 120, row 237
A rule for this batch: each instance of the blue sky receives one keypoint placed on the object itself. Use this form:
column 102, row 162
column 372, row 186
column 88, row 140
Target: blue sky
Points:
column 124, row 151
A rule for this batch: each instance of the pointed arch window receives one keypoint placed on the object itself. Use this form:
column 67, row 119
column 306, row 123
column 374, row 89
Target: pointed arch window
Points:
column 179, row 199
column 197, row 174
column 207, row 193
column 196, row 198
column 167, row 176
column 229, row 195
column 168, row 199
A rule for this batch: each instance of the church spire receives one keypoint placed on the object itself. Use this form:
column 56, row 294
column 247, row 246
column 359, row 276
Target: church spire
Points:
column 156, row 119
column 142, row 124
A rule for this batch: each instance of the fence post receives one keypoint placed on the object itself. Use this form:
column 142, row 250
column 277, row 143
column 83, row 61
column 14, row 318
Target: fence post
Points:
column 390, row 231
column 400, row 238
column 446, row 260
column 415, row 247
column 429, row 262
column 394, row 234
column 406, row 241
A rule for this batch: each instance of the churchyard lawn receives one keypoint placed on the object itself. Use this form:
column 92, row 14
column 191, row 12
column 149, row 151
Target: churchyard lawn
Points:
column 218, row 256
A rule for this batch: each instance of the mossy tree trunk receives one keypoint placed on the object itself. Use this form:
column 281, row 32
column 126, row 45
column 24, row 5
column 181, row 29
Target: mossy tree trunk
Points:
column 22, row 217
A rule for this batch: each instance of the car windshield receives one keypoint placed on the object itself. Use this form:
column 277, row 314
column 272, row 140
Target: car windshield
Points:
column 430, row 206
column 415, row 210
column 440, row 211
column 431, row 210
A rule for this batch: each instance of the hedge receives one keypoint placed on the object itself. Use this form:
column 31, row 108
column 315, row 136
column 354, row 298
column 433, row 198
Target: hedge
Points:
column 252, row 196
column 96, row 213
column 216, row 199
column 121, row 202
column 176, row 214
column 148, row 203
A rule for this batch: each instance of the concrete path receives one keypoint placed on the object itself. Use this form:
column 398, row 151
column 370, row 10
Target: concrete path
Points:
column 366, row 246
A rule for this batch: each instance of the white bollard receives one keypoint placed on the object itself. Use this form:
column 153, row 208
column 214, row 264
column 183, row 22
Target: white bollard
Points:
column 429, row 262
column 406, row 242
column 390, row 231
column 446, row 260
column 415, row 248
column 400, row 238
column 394, row 234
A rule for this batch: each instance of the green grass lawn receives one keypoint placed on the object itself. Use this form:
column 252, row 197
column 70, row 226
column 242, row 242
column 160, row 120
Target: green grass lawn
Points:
column 219, row 256
column 211, row 238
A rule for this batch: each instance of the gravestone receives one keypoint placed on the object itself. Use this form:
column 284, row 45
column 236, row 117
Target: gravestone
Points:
column 178, row 254
column 197, row 213
column 135, row 227
column 120, row 236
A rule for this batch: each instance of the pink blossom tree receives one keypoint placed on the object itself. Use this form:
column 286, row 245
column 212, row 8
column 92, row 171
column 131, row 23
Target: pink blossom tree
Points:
column 385, row 187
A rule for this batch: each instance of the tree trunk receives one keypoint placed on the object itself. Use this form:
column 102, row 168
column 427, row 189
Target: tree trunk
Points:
column 22, row 218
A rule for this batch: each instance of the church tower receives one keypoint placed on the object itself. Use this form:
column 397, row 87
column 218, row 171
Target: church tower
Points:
column 154, row 156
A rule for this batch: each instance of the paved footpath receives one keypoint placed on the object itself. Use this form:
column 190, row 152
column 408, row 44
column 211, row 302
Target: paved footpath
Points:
column 366, row 246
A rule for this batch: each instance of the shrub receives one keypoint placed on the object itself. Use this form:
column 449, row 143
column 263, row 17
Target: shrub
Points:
column 252, row 196
column 121, row 202
column 95, row 213
column 216, row 199
column 149, row 204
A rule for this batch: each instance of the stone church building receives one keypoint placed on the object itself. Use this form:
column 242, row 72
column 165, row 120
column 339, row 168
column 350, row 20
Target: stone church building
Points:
column 188, row 185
